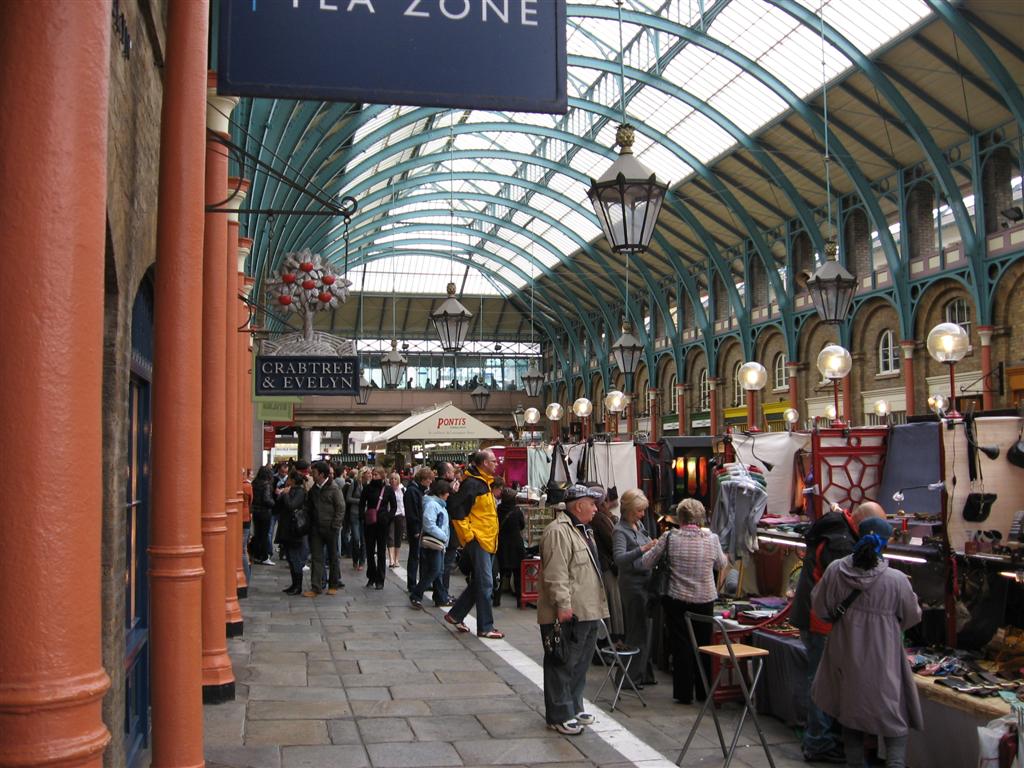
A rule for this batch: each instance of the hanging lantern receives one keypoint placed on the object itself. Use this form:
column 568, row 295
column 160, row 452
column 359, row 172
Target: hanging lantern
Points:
column 627, row 350
column 393, row 366
column 627, row 198
column 451, row 321
column 832, row 288
column 517, row 417
column 364, row 391
column 533, row 379
column 480, row 396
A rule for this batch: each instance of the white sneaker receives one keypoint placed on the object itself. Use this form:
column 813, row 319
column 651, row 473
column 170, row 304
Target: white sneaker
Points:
column 305, row 567
column 585, row 718
column 568, row 728
column 268, row 561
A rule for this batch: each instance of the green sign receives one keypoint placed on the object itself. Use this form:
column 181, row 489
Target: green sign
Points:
column 274, row 409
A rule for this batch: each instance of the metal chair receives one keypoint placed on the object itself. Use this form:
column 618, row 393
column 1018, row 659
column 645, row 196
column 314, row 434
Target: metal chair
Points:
column 730, row 656
column 617, row 661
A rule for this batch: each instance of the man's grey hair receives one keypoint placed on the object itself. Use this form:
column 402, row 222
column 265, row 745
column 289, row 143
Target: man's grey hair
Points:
column 477, row 458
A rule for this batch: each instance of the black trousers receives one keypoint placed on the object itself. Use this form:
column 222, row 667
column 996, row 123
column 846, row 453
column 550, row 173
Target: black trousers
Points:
column 685, row 677
column 376, row 552
column 261, row 535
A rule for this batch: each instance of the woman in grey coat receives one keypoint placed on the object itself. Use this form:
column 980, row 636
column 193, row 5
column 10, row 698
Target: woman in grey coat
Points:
column 629, row 542
column 864, row 680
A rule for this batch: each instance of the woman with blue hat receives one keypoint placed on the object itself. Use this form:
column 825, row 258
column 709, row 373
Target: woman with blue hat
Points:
column 864, row 680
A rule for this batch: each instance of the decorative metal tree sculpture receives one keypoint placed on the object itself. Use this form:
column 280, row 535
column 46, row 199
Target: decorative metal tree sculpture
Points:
column 305, row 284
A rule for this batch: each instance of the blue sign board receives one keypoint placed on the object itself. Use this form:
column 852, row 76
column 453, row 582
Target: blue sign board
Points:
column 483, row 54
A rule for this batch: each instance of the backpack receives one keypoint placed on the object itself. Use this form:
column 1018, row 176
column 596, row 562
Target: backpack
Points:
column 461, row 502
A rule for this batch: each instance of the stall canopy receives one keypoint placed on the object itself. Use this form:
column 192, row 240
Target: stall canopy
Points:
column 443, row 423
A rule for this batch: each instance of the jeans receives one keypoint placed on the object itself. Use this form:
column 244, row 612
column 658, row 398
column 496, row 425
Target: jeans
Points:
column 412, row 568
column 246, row 565
column 296, row 559
column 318, row 539
column 819, row 736
column 563, row 684
column 478, row 591
column 431, row 561
column 449, row 560
column 356, row 542
column 895, row 748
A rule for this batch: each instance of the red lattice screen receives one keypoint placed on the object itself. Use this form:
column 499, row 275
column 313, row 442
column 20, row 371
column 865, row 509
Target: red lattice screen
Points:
column 847, row 466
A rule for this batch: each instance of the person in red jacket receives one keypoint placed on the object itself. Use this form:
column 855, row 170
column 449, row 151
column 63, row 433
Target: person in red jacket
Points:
column 831, row 537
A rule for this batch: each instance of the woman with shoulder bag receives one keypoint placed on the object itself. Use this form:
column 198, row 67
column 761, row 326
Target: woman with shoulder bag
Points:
column 629, row 542
column 290, row 502
column 353, row 503
column 864, row 680
column 377, row 509
column 433, row 540
column 694, row 553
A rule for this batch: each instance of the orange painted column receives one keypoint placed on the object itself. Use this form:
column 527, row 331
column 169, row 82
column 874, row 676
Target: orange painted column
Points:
column 907, row 369
column 987, row 398
column 713, row 405
column 792, row 369
column 218, row 676
column 176, row 551
column 54, row 63
column 236, row 189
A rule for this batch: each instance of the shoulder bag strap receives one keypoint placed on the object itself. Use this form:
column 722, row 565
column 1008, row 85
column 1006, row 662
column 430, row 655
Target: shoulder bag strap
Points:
column 843, row 607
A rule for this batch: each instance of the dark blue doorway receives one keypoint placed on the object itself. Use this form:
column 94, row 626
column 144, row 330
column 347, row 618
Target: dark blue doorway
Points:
column 136, row 581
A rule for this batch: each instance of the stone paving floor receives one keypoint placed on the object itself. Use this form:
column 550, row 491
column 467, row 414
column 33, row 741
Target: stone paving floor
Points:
column 359, row 679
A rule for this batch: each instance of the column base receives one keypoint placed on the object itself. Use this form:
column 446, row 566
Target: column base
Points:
column 242, row 592
column 234, row 628
column 218, row 694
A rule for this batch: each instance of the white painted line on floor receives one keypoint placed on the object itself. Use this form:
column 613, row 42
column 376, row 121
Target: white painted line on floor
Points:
column 611, row 731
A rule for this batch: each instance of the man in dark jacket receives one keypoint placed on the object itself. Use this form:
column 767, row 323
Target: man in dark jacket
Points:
column 831, row 537
column 326, row 508
column 414, row 521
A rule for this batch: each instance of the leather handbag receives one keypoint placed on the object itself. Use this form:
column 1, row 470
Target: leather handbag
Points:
column 370, row 515
column 657, row 582
column 556, row 646
column 432, row 542
column 300, row 521
column 1016, row 452
column 978, row 506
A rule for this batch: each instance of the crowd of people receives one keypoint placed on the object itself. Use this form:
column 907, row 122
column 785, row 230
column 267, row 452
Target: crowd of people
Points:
column 597, row 560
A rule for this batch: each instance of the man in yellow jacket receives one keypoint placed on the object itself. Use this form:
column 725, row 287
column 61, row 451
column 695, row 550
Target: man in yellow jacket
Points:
column 474, row 517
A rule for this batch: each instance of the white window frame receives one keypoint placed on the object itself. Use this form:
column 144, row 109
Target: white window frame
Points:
column 959, row 311
column 737, row 386
column 780, row 378
column 888, row 353
column 704, row 386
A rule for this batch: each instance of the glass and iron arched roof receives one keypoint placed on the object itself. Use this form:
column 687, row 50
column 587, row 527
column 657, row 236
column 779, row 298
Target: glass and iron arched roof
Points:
column 726, row 96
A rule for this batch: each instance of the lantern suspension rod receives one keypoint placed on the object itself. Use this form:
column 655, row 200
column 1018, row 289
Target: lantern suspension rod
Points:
column 451, row 197
column 824, row 111
column 622, row 68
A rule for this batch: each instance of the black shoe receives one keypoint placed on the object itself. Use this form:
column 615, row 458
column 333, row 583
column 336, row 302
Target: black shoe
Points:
column 649, row 681
column 293, row 591
column 378, row 586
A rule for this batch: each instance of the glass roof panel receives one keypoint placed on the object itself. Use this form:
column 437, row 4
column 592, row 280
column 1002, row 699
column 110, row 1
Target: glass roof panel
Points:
column 788, row 49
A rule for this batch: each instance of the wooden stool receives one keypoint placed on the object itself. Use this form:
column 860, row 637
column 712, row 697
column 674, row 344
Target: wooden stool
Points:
column 730, row 656
column 529, row 582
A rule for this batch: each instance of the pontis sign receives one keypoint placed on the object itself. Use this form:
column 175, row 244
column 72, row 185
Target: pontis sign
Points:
column 307, row 375
column 483, row 54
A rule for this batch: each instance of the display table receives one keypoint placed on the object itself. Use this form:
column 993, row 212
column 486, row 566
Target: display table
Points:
column 783, row 694
column 951, row 719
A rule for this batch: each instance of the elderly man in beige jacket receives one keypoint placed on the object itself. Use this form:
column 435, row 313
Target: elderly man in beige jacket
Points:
column 571, row 593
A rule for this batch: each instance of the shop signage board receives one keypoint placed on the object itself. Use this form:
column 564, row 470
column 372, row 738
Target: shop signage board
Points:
column 295, row 375
column 275, row 408
column 269, row 437
column 482, row 54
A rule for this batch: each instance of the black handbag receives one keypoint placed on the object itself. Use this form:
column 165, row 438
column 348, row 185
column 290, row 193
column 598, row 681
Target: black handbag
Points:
column 657, row 582
column 300, row 522
column 556, row 642
column 977, row 505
